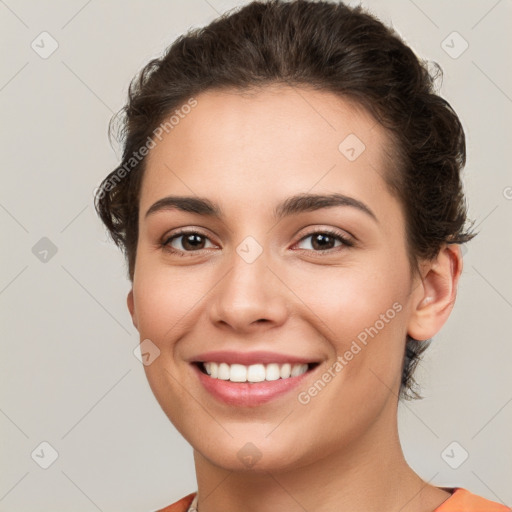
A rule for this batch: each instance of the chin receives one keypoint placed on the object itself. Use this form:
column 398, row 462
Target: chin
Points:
column 261, row 455
column 250, row 459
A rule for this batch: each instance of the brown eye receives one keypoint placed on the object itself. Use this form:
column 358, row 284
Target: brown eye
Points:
column 186, row 241
column 325, row 240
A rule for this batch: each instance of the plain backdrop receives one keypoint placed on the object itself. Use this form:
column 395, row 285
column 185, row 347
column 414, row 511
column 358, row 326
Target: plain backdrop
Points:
column 69, row 376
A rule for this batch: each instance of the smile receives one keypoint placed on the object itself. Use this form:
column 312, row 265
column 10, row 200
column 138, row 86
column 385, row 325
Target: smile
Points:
column 253, row 385
column 253, row 372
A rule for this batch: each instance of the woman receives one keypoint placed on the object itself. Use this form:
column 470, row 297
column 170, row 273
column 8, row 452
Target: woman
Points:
column 291, row 209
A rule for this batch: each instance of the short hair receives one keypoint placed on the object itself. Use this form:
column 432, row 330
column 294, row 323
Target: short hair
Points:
column 330, row 47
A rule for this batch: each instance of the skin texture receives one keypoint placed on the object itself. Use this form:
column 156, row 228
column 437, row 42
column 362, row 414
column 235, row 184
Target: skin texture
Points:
column 247, row 153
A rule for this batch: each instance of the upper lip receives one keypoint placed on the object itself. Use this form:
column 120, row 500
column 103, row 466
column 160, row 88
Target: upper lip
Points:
column 248, row 358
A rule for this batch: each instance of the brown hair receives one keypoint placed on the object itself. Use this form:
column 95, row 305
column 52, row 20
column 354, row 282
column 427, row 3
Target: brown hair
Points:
column 328, row 46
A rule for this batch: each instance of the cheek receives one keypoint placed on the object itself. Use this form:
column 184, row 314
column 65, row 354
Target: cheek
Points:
column 165, row 300
column 349, row 300
column 363, row 316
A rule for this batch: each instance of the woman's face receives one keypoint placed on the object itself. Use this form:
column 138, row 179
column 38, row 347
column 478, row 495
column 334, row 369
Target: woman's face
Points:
column 303, row 281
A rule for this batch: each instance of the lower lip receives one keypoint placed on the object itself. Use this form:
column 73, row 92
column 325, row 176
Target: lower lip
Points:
column 248, row 394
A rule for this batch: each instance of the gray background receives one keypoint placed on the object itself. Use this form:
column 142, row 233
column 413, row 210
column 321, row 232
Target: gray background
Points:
column 69, row 375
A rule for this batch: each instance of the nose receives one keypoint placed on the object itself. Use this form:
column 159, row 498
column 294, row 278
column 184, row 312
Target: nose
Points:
column 249, row 297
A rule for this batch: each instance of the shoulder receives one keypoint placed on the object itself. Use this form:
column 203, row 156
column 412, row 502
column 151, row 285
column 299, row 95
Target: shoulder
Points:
column 463, row 500
column 181, row 505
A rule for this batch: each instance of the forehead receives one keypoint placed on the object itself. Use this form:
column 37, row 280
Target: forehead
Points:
column 268, row 143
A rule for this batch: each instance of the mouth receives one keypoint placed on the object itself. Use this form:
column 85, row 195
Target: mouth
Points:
column 238, row 385
column 254, row 373
column 253, row 378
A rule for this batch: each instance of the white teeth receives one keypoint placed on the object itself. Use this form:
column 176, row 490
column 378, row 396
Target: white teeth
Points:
column 223, row 372
column 238, row 373
column 254, row 372
column 297, row 370
column 286, row 370
column 272, row 372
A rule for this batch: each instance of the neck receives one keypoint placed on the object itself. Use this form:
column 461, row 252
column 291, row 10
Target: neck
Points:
column 370, row 475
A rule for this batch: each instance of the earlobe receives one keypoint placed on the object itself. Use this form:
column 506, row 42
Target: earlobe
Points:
column 436, row 293
column 131, row 308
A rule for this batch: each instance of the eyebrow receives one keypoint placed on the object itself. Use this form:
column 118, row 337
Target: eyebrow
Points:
column 292, row 205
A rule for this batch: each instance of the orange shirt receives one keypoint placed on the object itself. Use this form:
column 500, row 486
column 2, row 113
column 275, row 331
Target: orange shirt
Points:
column 461, row 500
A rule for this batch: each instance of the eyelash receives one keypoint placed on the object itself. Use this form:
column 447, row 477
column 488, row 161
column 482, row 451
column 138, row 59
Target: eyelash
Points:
column 331, row 232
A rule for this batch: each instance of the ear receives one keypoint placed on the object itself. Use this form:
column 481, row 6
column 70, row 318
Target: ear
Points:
column 131, row 308
column 434, row 297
